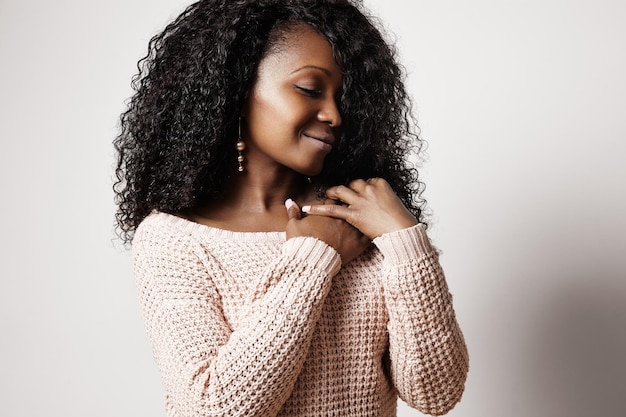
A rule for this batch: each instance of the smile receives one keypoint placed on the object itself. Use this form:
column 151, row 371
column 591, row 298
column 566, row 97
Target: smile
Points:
column 324, row 141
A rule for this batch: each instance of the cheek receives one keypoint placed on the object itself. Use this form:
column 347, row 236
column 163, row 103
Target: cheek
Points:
column 278, row 114
column 282, row 102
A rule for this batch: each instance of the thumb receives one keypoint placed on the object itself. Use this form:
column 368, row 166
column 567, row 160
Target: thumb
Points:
column 293, row 210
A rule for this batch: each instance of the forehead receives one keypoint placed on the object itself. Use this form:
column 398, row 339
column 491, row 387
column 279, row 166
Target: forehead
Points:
column 300, row 45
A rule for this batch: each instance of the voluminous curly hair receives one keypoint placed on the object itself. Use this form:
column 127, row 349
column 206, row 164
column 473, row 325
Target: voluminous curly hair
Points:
column 176, row 146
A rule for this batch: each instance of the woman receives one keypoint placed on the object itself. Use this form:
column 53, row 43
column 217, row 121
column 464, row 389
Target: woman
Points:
column 278, row 239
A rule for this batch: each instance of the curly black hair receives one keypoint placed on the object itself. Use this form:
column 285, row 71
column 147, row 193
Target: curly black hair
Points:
column 176, row 146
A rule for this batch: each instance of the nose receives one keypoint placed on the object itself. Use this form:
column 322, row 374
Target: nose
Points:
column 329, row 113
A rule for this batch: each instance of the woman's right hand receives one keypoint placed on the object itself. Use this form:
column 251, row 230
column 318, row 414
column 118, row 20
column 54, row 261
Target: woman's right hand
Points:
column 347, row 240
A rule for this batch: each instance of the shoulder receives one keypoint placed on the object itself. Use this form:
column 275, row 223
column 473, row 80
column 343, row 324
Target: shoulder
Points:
column 158, row 220
column 163, row 226
column 168, row 252
column 163, row 235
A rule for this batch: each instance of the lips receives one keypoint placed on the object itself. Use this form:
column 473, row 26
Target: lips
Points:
column 322, row 137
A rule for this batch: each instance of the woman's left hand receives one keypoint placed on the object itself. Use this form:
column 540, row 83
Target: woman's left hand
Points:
column 371, row 206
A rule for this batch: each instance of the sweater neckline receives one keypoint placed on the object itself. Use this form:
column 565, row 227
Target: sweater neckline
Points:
column 205, row 230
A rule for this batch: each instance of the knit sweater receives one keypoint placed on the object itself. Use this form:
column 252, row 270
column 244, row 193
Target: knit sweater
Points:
column 252, row 324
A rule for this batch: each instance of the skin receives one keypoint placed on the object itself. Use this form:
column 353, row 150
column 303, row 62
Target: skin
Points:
column 291, row 115
column 370, row 206
column 290, row 122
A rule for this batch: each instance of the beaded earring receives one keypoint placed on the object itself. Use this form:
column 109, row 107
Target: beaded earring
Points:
column 241, row 145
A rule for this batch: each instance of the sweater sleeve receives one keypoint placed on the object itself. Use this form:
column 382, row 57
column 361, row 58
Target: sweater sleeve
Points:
column 208, row 368
column 429, row 360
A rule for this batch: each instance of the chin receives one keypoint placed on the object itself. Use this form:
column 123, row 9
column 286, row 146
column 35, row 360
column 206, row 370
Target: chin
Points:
column 309, row 168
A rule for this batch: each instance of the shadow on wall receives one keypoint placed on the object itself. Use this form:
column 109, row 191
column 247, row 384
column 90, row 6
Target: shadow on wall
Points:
column 577, row 349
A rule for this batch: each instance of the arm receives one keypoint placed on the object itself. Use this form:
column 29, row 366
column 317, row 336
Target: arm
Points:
column 429, row 360
column 209, row 369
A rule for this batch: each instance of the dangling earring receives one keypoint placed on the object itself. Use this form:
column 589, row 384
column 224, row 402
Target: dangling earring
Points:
column 241, row 145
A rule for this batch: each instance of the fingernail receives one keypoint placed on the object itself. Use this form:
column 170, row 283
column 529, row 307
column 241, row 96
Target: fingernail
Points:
column 306, row 209
column 289, row 203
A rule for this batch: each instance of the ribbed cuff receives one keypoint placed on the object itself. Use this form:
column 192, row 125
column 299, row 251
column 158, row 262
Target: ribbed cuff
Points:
column 314, row 252
column 404, row 245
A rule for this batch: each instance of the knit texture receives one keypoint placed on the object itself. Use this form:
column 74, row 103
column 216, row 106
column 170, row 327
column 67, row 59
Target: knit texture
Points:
column 252, row 324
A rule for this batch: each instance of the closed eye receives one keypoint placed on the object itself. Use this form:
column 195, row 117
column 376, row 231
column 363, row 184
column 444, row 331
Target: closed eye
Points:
column 309, row 92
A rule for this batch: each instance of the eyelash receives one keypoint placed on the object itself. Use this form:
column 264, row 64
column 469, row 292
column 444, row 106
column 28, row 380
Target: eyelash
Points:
column 309, row 92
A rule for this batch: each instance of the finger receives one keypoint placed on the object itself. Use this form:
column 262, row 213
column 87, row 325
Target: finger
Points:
column 358, row 185
column 379, row 182
column 331, row 201
column 293, row 211
column 329, row 210
column 343, row 193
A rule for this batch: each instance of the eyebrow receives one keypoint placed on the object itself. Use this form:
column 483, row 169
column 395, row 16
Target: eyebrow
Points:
column 324, row 70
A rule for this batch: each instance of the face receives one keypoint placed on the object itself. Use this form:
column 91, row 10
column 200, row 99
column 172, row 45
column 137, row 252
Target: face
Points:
column 291, row 118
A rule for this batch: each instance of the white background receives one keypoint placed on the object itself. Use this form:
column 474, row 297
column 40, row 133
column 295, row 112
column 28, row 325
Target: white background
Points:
column 523, row 104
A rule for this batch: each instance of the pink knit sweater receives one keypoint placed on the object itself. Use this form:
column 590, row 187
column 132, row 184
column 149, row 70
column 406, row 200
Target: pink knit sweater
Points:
column 251, row 324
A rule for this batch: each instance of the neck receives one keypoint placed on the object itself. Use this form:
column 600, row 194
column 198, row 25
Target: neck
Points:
column 262, row 192
column 254, row 200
